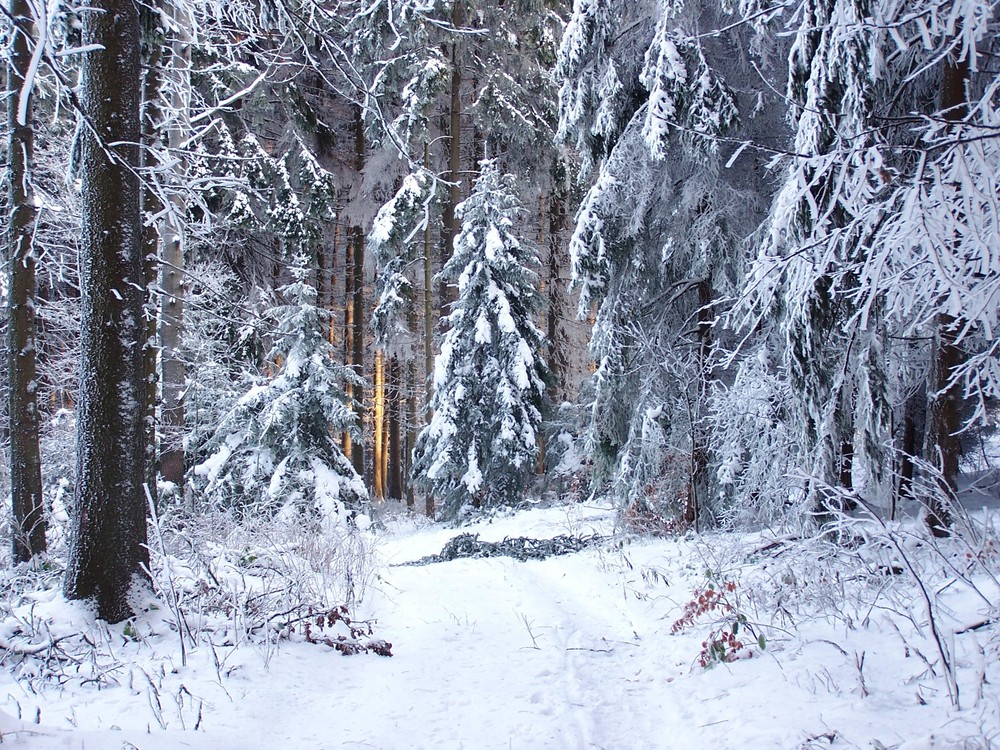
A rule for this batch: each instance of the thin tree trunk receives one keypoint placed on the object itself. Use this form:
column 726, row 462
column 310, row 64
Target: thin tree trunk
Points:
column 387, row 408
column 428, row 346
column 411, row 428
column 107, row 549
column 395, row 458
column 332, row 272
column 358, row 454
column 358, row 341
column 450, row 227
column 558, row 364
column 944, row 420
column 378, row 419
column 28, row 533
column 913, row 417
column 700, row 483
column 348, row 440
column 173, row 371
column 151, row 207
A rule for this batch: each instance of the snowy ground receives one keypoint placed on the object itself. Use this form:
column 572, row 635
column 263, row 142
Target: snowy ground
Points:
column 570, row 652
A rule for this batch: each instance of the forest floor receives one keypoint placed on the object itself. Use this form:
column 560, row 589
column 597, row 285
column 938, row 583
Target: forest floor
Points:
column 597, row 649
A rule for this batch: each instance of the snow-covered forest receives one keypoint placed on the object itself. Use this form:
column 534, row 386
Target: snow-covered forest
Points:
column 592, row 373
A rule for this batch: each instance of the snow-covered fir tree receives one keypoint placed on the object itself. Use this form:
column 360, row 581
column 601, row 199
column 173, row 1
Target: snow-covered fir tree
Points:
column 276, row 449
column 875, row 262
column 647, row 99
column 838, row 407
column 481, row 446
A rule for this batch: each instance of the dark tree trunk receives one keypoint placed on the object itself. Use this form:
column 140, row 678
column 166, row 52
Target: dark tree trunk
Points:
column 558, row 363
column 944, row 410
column 107, row 550
column 428, row 363
column 699, row 485
column 395, row 418
column 914, row 412
column 348, row 440
column 411, row 426
column 450, row 224
column 28, row 533
column 358, row 301
column 944, row 420
column 358, row 340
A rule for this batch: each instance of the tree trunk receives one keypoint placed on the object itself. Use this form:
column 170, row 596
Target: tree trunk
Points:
column 428, row 347
column 450, row 227
column 348, row 440
column 944, row 420
column 172, row 369
column 358, row 288
column 152, row 52
column 378, row 420
column 914, row 410
column 411, row 428
column 28, row 533
column 558, row 363
column 358, row 342
column 944, row 410
column 107, row 549
column 395, row 458
column 700, row 482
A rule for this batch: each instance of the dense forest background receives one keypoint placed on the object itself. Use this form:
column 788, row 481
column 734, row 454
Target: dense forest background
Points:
column 726, row 263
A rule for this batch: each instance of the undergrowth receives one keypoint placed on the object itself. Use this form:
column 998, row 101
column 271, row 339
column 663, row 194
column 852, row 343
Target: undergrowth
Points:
column 217, row 584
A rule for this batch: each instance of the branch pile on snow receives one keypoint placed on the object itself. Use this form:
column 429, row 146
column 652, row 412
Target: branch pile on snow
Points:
column 520, row 548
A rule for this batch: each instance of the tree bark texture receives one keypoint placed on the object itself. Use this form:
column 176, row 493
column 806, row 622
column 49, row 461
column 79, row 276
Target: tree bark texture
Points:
column 395, row 458
column 944, row 410
column 173, row 372
column 378, row 421
column 358, row 298
column 28, row 533
column 107, row 549
column 348, row 440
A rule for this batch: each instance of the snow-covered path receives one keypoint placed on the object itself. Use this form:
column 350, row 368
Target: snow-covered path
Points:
column 569, row 653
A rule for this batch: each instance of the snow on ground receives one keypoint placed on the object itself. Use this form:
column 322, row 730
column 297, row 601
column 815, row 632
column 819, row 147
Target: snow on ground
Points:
column 570, row 652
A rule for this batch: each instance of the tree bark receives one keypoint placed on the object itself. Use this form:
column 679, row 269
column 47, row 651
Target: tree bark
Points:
column 378, row 420
column 348, row 440
column 107, row 549
column 914, row 411
column 358, row 288
column 152, row 49
column 558, row 363
column 173, row 372
column 450, row 226
column 395, row 458
column 700, row 483
column 411, row 428
column 428, row 347
column 944, row 410
column 28, row 533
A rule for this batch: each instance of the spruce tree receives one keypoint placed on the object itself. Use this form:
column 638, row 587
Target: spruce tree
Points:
column 480, row 448
column 278, row 447
column 649, row 102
